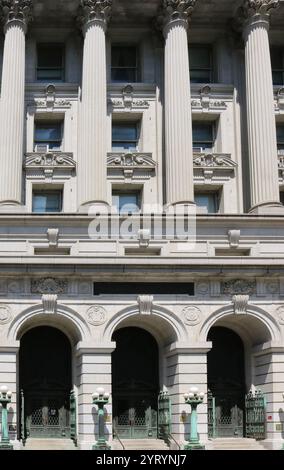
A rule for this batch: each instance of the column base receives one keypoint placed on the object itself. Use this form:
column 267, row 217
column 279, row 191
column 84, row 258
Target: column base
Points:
column 11, row 206
column 93, row 207
column 194, row 446
column 268, row 208
column 6, row 446
column 101, row 446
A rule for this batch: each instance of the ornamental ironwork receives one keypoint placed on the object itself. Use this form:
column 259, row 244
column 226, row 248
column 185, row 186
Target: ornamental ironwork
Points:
column 255, row 415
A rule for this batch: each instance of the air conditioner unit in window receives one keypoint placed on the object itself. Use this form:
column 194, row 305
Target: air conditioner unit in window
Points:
column 42, row 148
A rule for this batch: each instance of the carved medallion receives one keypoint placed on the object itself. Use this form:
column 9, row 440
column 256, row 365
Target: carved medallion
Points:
column 96, row 315
column 49, row 285
column 5, row 314
column 191, row 315
column 202, row 288
column 280, row 314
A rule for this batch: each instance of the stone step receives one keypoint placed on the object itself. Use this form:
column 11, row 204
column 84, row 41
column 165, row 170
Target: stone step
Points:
column 49, row 444
column 236, row 444
column 141, row 444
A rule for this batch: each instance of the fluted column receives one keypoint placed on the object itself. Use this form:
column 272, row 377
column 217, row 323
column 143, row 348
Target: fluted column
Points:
column 178, row 122
column 16, row 15
column 92, row 172
column 263, row 163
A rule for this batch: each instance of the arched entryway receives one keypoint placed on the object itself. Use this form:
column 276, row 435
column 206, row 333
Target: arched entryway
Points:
column 45, row 379
column 226, row 383
column 135, row 386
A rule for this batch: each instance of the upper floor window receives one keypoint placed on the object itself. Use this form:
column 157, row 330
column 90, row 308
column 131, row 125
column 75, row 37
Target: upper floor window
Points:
column 124, row 137
column 202, row 136
column 200, row 62
column 48, row 134
column 50, row 62
column 47, row 201
column 280, row 137
column 282, row 197
column 124, row 64
column 207, row 202
column 126, row 201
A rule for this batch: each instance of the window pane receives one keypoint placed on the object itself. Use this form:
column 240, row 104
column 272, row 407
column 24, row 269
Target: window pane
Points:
column 124, row 132
column 207, row 202
column 48, row 132
column 126, row 202
column 280, row 133
column 124, row 56
column 199, row 57
column 282, row 197
column 277, row 78
column 200, row 76
column 50, row 55
column 124, row 75
column 202, row 135
column 47, row 201
column 276, row 58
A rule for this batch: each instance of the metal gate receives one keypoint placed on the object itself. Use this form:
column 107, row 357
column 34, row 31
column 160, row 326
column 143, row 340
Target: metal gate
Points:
column 255, row 415
column 164, row 415
column 135, row 418
column 225, row 417
column 47, row 415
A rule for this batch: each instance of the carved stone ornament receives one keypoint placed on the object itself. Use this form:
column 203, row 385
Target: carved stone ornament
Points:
column 280, row 314
column 122, row 160
column 175, row 10
column 49, row 285
column 191, row 315
column 49, row 303
column 238, row 286
column 50, row 159
column 96, row 315
column 202, row 288
column 5, row 314
column 52, row 236
column 206, row 160
column 261, row 7
column 145, row 303
column 234, row 238
column 144, row 237
column 91, row 10
column 240, row 302
column 16, row 10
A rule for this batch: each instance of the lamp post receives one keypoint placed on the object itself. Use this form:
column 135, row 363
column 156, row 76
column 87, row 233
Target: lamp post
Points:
column 101, row 398
column 193, row 398
column 5, row 398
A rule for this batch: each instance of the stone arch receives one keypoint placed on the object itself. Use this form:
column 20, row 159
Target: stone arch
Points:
column 65, row 319
column 255, row 325
column 163, row 324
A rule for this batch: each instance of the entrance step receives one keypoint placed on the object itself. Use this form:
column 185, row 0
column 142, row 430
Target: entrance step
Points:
column 236, row 443
column 49, row 444
column 140, row 444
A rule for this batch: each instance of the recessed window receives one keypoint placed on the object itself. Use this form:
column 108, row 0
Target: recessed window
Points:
column 207, row 202
column 50, row 62
column 200, row 62
column 47, row 201
column 202, row 136
column 124, row 137
column 126, row 201
column 48, row 134
column 282, row 197
column 124, row 64
column 277, row 65
column 280, row 137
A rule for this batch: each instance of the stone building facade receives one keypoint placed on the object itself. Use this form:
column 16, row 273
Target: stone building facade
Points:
column 150, row 107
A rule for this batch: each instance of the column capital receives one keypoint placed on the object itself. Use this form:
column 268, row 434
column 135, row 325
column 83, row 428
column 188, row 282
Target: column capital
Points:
column 91, row 11
column 16, row 11
column 175, row 10
column 259, row 7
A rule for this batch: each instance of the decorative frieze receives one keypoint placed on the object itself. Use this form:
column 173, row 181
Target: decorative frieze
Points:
column 49, row 285
column 96, row 315
column 238, row 286
column 50, row 159
column 191, row 315
column 280, row 314
column 215, row 160
column 123, row 160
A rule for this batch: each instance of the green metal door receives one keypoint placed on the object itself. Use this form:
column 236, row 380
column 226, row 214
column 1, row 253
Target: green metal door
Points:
column 255, row 415
column 135, row 418
column 225, row 416
column 47, row 415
